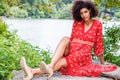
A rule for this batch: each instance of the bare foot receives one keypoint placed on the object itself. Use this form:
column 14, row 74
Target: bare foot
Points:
column 46, row 69
column 27, row 69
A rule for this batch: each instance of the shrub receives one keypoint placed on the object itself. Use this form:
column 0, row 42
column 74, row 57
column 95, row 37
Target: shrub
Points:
column 15, row 11
column 62, row 13
column 111, row 39
column 117, row 14
column 11, row 50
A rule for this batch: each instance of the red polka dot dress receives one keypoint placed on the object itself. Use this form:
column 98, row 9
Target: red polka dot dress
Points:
column 79, row 60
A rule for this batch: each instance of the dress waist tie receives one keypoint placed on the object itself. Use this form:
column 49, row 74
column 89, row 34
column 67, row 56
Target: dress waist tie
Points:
column 84, row 42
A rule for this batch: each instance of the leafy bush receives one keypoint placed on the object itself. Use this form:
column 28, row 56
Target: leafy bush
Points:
column 62, row 13
column 34, row 12
column 111, row 39
column 3, row 8
column 117, row 14
column 15, row 11
column 11, row 50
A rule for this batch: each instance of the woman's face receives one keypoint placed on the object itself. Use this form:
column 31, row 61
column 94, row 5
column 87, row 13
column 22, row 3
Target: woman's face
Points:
column 85, row 14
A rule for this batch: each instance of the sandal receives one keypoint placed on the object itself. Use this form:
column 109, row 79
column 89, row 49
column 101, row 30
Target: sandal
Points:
column 45, row 69
column 26, row 69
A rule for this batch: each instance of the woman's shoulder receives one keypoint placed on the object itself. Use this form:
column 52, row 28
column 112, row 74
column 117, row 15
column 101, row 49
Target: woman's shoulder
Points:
column 97, row 22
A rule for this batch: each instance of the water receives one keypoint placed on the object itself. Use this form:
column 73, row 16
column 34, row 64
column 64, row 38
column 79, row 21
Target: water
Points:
column 45, row 33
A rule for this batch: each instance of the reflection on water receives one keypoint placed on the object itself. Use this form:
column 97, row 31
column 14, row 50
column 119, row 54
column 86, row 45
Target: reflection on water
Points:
column 45, row 33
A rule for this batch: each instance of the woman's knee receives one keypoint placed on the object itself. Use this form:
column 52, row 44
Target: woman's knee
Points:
column 66, row 39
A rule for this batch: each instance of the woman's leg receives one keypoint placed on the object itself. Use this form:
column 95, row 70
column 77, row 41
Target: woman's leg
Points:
column 62, row 49
column 36, row 71
column 61, row 63
column 29, row 72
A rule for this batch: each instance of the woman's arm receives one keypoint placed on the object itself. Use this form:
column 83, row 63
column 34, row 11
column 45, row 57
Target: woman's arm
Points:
column 101, row 57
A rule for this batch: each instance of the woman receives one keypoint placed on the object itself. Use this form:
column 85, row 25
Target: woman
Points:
column 73, row 55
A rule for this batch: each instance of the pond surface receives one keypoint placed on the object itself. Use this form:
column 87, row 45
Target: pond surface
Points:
column 45, row 33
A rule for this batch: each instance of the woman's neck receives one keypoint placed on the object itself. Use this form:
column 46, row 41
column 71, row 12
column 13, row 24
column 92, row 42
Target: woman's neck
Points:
column 88, row 22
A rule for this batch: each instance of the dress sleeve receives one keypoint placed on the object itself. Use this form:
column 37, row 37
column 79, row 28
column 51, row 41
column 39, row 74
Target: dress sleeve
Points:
column 99, row 45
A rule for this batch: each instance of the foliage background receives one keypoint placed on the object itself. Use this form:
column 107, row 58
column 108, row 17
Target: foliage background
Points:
column 60, row 9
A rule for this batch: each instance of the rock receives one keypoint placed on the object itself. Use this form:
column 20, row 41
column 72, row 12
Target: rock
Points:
column 19, row 75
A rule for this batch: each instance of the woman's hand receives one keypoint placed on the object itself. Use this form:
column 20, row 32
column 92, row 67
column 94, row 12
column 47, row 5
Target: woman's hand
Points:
column 105, row 63
column 102, row 60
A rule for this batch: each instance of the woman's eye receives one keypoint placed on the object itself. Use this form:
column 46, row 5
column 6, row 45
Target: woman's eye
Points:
column 85, row 11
